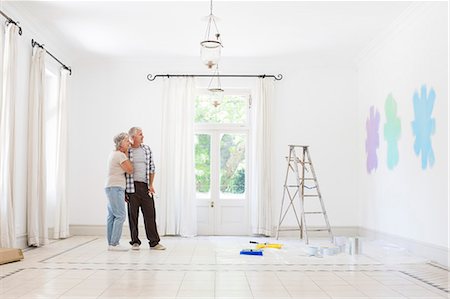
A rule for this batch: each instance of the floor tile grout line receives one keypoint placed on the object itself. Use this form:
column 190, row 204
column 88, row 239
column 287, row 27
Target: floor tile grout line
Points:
column 181, row 283
column 248, row 283
column 65, row 251
column 426, row 282
column 12, row 273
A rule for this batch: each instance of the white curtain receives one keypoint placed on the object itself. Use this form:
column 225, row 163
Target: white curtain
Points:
column 7, row 119
column 261, row 183
column 61, row 225
column 36, row 179
column 177, row 158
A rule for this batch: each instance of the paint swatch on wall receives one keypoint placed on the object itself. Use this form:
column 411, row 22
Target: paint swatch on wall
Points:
column 424, row 125
column 372, row 139
column 392, row 131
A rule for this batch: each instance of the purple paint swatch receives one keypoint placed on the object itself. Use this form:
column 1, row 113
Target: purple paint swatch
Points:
column 372, row 139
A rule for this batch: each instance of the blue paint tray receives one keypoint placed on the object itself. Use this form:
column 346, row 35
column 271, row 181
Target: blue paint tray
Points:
column 252, row 252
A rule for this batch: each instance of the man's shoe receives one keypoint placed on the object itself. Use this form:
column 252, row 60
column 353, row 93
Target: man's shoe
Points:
column 135, row 246
column 158, row 247
column 117, row 248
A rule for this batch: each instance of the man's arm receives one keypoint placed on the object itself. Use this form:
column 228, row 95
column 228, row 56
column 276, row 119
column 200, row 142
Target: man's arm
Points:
column 150, row 183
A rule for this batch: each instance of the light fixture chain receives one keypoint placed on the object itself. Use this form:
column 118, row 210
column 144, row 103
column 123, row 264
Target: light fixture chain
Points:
column 208, row 29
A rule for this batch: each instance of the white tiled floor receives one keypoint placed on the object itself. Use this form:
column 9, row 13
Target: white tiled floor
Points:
column 211, row 267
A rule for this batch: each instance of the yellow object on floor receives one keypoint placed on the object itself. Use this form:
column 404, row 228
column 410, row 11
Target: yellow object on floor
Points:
column 269, row 245
column 8, row 255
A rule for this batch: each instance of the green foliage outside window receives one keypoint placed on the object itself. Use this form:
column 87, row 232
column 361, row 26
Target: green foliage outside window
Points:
column 232, row 164
column 232, row 109
column 202, row 162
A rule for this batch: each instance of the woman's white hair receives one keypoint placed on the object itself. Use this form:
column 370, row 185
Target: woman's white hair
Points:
column 119, row 138
column 133, row 131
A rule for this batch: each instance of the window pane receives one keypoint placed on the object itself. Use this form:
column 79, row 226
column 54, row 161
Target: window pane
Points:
column 202, row 163
column 230, row 109
column 232, row 164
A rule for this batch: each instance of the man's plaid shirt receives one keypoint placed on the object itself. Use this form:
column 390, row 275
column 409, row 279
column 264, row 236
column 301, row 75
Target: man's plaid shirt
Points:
column 148, row 162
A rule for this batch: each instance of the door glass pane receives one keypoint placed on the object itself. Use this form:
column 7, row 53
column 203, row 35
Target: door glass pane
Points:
column 232, row 165
column 228, row 109
column 202, row 164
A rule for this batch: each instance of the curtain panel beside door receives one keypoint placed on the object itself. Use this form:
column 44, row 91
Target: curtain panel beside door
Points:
column 261, row 159
column 179, row 216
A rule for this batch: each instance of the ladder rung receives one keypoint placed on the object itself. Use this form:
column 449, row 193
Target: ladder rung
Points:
column 310, row 195
column 291, row 186
column 318, row 230
column 313, row 213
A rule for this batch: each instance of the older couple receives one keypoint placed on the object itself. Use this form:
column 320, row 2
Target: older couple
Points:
column 131, row 171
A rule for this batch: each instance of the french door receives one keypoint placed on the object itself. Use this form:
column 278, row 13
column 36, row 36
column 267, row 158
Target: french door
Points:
column 222, row 181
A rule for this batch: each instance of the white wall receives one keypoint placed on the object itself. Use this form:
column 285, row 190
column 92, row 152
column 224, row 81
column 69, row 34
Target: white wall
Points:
column 314, row 105
column 408, row 201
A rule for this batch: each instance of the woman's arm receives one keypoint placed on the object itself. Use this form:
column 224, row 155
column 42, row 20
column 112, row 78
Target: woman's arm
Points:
column 127, row 166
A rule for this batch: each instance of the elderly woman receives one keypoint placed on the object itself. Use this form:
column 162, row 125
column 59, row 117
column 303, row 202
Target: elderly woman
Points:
column 118, row 165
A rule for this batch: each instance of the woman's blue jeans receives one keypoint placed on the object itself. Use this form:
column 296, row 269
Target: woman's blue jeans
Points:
column 116, row 214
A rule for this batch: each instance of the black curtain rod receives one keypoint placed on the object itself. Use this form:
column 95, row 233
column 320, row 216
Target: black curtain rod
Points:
column 35, row 43
column 278, row 77
column 9, row 20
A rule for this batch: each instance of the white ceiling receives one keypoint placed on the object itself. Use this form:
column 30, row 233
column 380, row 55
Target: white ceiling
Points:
column 145, row 29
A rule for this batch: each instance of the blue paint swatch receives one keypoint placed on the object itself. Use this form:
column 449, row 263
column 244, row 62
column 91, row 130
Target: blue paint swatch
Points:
column 423, row 125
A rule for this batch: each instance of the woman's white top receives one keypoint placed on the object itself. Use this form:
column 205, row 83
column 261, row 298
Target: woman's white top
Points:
column 116, row 175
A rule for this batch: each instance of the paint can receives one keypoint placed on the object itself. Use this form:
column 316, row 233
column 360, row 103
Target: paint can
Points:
column 354, row 246
column 340, row 242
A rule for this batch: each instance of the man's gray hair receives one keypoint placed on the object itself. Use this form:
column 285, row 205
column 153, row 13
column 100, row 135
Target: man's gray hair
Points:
column 119, row 138
column 133, row 131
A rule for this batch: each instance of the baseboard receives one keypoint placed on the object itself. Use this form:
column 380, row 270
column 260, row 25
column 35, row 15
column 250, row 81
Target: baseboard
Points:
column 97, row 230
column 22, row 241
column 100, row 230
column 293, row 231
column 435, row 254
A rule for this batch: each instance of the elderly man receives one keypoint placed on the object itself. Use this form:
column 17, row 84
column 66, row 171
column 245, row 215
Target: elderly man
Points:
column 140, row 191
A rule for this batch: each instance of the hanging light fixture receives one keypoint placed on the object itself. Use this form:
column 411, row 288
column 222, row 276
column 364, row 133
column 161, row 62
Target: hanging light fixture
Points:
column 211, row 45
column 215, row 88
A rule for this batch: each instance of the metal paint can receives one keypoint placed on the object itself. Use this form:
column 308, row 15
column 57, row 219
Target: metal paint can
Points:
column 354, row 246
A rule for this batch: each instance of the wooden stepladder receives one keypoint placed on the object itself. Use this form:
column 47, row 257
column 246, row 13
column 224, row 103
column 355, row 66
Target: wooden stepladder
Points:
column 302, row 190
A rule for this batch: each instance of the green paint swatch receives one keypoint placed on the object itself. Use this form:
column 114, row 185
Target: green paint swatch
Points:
column 392, row 131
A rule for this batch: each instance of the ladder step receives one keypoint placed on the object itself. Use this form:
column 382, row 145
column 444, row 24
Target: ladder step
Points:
column 313, row 213
column 318, row 229
column 310, row 195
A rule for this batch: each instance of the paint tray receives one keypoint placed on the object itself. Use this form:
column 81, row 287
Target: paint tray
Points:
column 252, row 252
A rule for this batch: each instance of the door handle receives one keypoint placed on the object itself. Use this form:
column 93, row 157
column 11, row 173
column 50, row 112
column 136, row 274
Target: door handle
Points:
column 212, row 204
